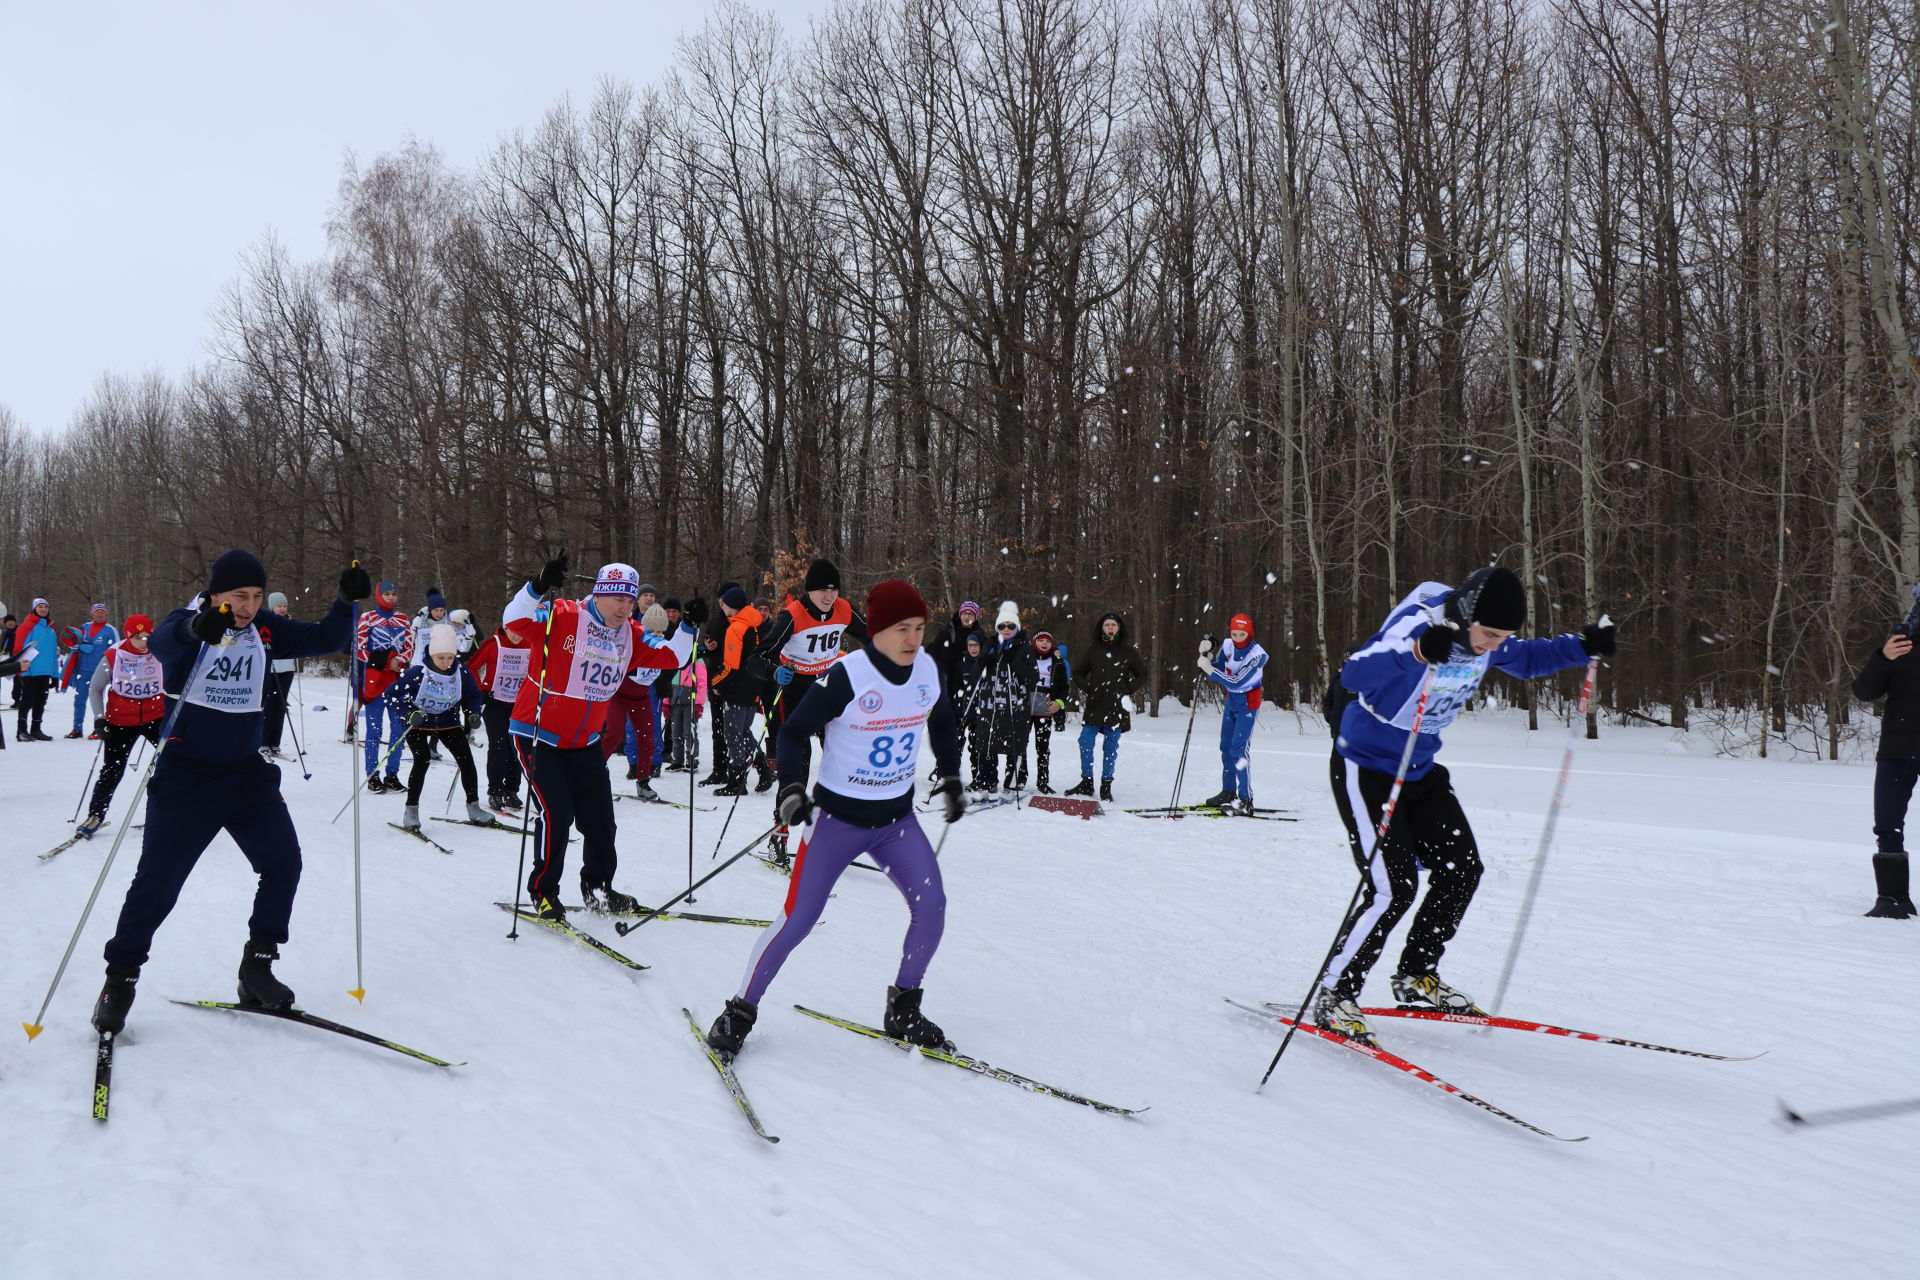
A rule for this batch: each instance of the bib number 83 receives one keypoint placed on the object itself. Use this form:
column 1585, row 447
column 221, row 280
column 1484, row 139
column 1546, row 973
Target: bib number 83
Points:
column 884, row 752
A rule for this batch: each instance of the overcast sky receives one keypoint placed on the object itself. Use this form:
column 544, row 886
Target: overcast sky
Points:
column 145, row 143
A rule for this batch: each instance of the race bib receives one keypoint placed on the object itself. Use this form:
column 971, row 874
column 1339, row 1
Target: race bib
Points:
column 599, row 660
column 509, row 672
column 136, row 675
column 232, row 674
column 1453, row 687
column 439, row 691
column 815, row 649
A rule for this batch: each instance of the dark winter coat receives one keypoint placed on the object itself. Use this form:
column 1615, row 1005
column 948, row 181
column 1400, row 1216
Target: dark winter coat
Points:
column 1109, row 671
column 1007, row 682
column 966, row 682
column 1898, row 681
column 949, row 648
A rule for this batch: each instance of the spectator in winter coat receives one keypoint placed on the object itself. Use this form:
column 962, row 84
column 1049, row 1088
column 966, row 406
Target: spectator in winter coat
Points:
column 1007, row 683
column 736, row 688
column 951, row 646
column 966, row 703
column 36, row 636
column 1893, row 673
column 90, row 644
column 8, row 624
column 1108, row 674
column 1052, row 676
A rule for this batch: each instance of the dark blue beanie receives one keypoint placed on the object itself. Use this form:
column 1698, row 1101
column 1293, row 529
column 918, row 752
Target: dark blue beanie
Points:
column 734, row 598
column 434, row 599
column 236, row 569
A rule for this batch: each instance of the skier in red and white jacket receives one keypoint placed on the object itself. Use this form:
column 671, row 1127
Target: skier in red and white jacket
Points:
column 128, row 703
column 383, row 647
column 558, row 717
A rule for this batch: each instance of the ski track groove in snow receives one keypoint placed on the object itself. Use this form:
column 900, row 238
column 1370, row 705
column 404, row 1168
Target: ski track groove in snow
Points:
column 1695, row 901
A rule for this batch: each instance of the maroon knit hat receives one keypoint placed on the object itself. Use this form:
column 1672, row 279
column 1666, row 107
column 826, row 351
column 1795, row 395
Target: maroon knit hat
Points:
column 893, row 602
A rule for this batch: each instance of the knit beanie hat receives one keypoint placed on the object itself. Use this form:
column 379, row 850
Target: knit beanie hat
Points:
column 441, row 639
column 733, row 597
column 460, row 617
column 671, row 602
column 617, row 579
column 1038, row 636
column 654, row 619
column 969, row 606
column 1241, row 622
column 97, row 605
column 821, row 574
column 648, row 589
column 385, row 591
column 891, row 603
column 435, row 600
column 276, row 599
column 1491, row 596
column 138, row 624
column 1009, row 612
column 235, row 569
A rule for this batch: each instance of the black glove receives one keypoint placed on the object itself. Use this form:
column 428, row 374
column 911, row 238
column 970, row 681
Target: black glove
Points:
column 1436, row 642
column 99, row 724
column 209, row 626
column 696, row 610
column 355, row 584
column 474, row 722
column 793, row 806
column 1597, row 638
column 552, row 576
column 415, row 716
column 955, row 796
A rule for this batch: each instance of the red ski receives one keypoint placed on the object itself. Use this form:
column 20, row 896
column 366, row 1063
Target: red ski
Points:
column 1544, row 1028
column 1401, row 1064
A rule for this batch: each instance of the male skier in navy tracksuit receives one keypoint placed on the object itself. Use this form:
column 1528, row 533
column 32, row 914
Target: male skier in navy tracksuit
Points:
column 1457, row 634
column 210, row 775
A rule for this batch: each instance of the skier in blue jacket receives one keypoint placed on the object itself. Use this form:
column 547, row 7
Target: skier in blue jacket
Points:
column 90, row 644
column 1237, row 667
column 1456, row 635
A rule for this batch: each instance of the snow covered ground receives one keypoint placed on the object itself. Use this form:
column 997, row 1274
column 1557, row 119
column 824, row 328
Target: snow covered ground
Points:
column 1694, row 901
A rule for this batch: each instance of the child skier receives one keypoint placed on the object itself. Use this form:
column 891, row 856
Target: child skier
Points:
column 1237, row 667
column 632, row 706
column 128, row 703
column 1450, row 637
column 208, row 776
column 89, row 644
column 432, row 696
column 875, row 708
column 383, row 647
column 499, row 668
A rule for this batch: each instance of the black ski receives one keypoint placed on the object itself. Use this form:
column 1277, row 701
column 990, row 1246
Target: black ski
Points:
column 647, row 912
column 102, row 1075
column 495, row 825
column 1208, row 811
column 421, row 836
column 567, row 930
column 677, row 804
column 1399, row 1063
column 974, row 1065
column 727, row 1077
column 312, row 1020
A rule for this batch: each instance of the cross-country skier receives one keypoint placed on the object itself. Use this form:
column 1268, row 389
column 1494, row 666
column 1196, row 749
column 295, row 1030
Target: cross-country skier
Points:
column 90, row 643
column 209, row 775
column 384, row 649
column 585, row 649
column 876, row 707
column 465, row 634
column 1237, row 667
column 1110, row 671
column 632, row 710
column 804, row 638
column 1893, row 673
column 1456, row 635
column 434, row 611
column 499, row 668
column 128, row 703
column 434, row 696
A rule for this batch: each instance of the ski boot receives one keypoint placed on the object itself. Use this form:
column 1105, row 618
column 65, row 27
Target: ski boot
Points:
column 633, row 773
column 906, row 1022
column 116, row 997
column 549, row 909
column 476, row 814
column 1220, row 801
column 718, row 778
column 764, row 784
column 73, row 733
column 1106, row 788
column 1240, row 808
column 779, row 857
column 604, row 897
column 410, row 818
column 644, row 792
column 510, row 801
column 259, row 989
column 391, row 783
column 734, row 784
column 375, row 784
column 1332, row 1012
column 89, row 825
column 1426, row 991
column 1084, row 787
column 730, row 1029
column 1890, row 883
column 1043, row 789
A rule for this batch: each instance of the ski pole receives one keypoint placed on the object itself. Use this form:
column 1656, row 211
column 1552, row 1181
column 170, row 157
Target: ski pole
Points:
column 359, row 990
column 1366, row 872
column 35, row 1027
column 1845, row 1115
column 623, row 928
column 1180, row 770
column 306, row 774
column 1546, row 833
column 386, row 762
column 88, row 784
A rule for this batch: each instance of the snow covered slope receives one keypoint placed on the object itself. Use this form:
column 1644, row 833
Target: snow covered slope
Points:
column 1692, row 901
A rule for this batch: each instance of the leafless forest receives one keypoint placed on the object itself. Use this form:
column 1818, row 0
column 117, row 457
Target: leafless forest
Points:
column 1177, row 309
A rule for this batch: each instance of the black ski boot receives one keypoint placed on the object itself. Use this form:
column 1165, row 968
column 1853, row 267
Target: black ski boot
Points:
column 116, row 997
column 509, row 800
column 1106, row 788
column 1890, row 882
column 718, row 778
column 604, row 897
column 1220, row 801
column 906, row 1022
column 730, row 1029
column 1084, row 787
column 733, row 786
column 766, row 780
column 258, row 987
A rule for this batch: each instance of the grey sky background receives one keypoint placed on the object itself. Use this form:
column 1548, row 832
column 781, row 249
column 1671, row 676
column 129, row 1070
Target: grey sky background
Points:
column 146, row 143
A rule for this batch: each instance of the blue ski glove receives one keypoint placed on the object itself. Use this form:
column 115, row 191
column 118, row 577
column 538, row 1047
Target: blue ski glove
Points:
column 783, row 675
